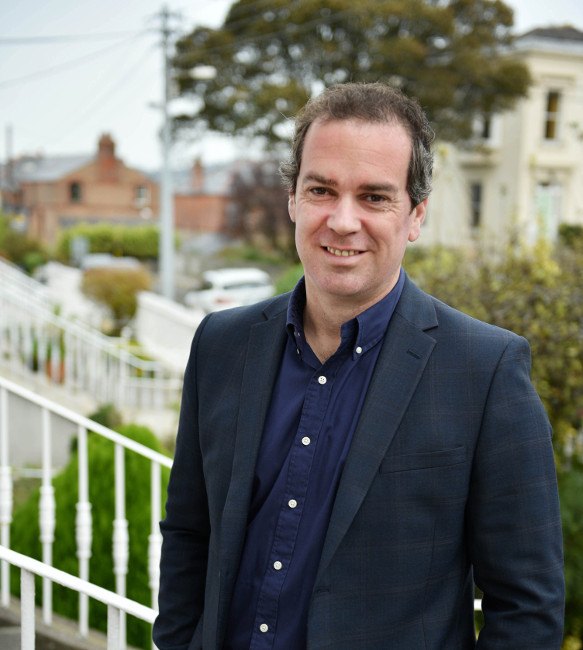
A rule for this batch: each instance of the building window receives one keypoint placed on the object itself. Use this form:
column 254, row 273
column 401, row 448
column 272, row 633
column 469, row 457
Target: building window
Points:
column 476, row 204
column 75, row 193
column 486, row 127
column 142, row 195
column 547, row 211
column 552, row 115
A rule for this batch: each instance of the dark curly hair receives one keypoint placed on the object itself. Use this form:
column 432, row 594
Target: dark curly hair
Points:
column 369, row 102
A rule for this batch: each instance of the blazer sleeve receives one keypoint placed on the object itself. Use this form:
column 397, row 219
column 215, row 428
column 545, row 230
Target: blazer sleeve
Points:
column 185, row 529
column 514, row 526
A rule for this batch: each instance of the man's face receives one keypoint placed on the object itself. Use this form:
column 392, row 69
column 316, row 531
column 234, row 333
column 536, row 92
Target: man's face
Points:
column 352, row 212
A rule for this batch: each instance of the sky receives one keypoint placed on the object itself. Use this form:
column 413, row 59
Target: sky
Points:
column 58, row 96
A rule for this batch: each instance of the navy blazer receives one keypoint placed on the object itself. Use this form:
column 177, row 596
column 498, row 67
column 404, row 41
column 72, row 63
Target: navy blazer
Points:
column 450, row 480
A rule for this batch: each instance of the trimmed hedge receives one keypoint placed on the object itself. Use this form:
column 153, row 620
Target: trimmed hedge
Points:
column 117, row 239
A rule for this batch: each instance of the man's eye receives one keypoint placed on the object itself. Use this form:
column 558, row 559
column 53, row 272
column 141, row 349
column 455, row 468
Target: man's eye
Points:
column 375, row 198
column 319, row 191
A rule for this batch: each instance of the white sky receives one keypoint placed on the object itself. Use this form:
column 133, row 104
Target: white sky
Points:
column 59, row 97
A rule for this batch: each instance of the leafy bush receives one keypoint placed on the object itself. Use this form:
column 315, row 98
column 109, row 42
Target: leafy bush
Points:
column 25, row 528
column 288, row 280
column 20, row 249
column 571, row 488
column 534, row 292
column 119, row 240
column 117, row 289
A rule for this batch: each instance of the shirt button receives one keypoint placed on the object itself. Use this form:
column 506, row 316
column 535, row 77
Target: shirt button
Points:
column 322, row 380
column 358, row 350
column 277, row 565
column 264, row 627
column 292, row 503
column 306, row 441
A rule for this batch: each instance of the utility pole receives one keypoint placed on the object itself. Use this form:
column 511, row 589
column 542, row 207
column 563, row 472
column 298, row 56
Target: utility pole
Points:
column 166, row 246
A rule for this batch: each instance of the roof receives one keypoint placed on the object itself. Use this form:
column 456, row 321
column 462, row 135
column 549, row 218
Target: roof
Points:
column 559, row 33
column 38, row 169
column 216, row 180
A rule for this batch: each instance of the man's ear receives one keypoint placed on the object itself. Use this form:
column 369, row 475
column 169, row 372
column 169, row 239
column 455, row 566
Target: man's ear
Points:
column 291, row 207
column 419, row 212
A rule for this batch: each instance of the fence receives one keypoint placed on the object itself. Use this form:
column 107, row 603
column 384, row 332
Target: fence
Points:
column 36, row 340
column 117, row 606
column 83, row 523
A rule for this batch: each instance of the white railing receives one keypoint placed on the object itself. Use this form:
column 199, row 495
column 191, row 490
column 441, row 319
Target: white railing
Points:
column 83, row 523
column 36, row 341
column 117, row 606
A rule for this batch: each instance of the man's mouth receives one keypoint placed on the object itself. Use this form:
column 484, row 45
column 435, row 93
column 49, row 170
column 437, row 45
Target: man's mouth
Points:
column 342, row 253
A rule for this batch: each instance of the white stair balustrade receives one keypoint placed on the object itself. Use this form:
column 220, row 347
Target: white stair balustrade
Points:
column 5, row 494
column 36, row 340
column 116, row 605
column 83, row 533
column 47, row 509
column 83, row 526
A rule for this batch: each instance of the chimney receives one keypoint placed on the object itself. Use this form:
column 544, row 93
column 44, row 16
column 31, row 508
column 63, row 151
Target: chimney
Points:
column 106, row 160
column 197, row 176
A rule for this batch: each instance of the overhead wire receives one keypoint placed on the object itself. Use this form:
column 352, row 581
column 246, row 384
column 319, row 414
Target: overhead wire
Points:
column 63, row 38
column 68, row 65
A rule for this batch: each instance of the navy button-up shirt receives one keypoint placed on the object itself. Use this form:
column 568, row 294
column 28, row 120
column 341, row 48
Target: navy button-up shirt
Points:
column 311, row 419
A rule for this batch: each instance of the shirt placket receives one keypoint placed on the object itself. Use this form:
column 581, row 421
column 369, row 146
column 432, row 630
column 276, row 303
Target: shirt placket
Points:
column 297, row 482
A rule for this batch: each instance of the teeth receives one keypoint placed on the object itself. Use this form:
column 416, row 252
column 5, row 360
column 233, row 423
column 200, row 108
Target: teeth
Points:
column 339, row 253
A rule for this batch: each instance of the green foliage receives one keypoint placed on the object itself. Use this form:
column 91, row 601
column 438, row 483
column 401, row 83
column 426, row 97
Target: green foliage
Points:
column 571, row 489
column 18, row 248
column 25, row 529
column 270, row 59
column 533, row 292
column 117, row 289
column 288, row 280
column 571, row 235
column 119, row 240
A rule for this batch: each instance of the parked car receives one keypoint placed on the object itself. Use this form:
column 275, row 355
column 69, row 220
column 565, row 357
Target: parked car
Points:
column 223, row 288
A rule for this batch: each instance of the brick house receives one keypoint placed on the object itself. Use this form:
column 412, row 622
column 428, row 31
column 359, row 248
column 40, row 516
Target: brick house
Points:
column 202, row 197
column 55, row 192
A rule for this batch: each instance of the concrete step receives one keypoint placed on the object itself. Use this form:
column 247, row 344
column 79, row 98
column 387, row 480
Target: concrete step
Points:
column 10, row 637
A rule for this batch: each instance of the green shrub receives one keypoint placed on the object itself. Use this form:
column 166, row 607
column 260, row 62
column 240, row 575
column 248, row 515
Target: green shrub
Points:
column 18, row 248
column 119, row 240
column 25, row 529
column 571, row 488
column 288, row 279
column 116, row 289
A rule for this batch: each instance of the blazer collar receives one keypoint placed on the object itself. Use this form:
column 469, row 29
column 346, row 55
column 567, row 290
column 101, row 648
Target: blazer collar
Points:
column 405, row 352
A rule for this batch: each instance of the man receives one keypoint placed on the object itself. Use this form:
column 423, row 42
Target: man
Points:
column 353, row 457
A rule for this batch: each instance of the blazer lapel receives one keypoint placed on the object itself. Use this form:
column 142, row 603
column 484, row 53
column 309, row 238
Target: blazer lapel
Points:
column 399, row 368
column 264, row 350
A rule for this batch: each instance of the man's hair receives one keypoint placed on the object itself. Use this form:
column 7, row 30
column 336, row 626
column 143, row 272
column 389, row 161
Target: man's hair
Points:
column 368, row 102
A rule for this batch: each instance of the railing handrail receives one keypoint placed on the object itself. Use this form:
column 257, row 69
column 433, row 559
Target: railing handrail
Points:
column 69, row 581
column 83, row 421
column 90, row 335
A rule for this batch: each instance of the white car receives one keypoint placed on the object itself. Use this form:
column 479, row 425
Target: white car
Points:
column 224, row 288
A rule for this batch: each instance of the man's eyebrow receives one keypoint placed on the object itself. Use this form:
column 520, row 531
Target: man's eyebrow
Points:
column 313, row 177
column 318, row 178
column 379, row 187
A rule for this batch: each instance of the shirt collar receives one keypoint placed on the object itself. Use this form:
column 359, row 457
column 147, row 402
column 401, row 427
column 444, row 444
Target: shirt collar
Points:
column 362, row 332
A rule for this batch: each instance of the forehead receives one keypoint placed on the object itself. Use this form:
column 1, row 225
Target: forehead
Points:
column 355, row 149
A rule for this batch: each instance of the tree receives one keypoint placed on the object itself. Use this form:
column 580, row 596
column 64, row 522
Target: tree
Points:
column 258, row 208
column 269, row 58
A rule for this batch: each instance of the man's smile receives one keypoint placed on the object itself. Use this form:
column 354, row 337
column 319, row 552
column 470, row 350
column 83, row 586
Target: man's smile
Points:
column 342, row 252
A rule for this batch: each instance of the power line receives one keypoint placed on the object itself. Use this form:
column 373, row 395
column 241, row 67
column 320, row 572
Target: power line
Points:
column 67, row 65
column 64, row 38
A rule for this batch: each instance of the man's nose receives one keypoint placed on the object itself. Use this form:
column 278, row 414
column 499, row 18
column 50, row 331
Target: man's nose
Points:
column 343, row 218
